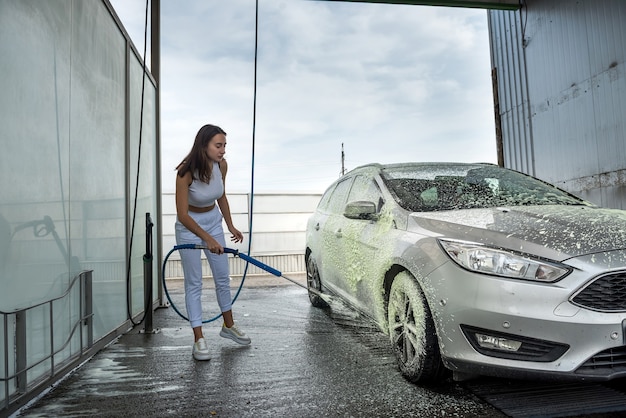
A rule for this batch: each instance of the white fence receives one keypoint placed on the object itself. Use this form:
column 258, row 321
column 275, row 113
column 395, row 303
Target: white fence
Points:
column 278, row 231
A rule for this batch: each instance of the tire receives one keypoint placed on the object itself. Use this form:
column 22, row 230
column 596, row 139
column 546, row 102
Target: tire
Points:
column 313, row 281
column 412, row 332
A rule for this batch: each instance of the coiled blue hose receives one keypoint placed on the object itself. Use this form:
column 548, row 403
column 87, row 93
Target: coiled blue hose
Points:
column 226, row 250
column 167, row 294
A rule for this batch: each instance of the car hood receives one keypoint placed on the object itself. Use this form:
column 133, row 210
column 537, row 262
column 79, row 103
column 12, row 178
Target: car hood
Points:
column 552, row 231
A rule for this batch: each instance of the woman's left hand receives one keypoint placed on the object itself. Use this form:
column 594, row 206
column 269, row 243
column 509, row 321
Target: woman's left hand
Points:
column 236, row 235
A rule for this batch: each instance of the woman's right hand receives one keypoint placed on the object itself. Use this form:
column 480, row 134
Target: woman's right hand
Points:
column 214, row 246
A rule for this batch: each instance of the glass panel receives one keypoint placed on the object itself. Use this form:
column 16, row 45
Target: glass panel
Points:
column 65, row 320
column 97, row 163
column 144, row 184
column 38, row 346
column 34, row 176
column 65, row 176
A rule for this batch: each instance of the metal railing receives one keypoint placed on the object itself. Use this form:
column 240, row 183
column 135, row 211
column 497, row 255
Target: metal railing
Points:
column 17, row 385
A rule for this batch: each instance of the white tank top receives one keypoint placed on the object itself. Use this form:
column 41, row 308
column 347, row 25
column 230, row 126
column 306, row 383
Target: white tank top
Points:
column 203, row 194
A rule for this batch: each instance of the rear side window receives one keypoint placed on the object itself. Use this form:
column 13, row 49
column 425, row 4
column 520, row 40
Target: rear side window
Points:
column 323, row 204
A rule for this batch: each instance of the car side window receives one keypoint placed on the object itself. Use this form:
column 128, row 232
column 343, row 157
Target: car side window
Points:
column 365, row 188
column 323, row 203
column 338, row 197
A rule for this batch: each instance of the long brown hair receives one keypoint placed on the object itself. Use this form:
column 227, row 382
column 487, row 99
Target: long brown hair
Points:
column 197, row 161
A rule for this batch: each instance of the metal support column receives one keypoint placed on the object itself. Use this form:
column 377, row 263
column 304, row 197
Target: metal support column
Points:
column 20, row 350
column 155, row 68
column 147, row 278
column 88, row 305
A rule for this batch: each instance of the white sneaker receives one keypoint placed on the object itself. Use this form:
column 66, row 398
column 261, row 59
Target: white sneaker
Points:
column 201, row 350
column 234, row 334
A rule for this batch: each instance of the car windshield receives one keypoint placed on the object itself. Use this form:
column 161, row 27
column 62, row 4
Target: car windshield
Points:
column 436, row 187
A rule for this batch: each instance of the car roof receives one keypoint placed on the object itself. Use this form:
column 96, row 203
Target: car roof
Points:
column 380, row 167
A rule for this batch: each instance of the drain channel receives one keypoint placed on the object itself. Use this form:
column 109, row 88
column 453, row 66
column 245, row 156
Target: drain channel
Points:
column 550, row 399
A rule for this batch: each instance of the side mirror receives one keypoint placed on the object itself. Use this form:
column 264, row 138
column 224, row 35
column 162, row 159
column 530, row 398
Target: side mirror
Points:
column 361, row 210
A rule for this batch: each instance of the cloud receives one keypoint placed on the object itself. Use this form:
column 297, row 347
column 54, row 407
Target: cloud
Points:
column 392, row 83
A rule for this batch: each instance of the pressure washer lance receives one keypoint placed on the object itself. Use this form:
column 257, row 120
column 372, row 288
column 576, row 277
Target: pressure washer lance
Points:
column 269, row 269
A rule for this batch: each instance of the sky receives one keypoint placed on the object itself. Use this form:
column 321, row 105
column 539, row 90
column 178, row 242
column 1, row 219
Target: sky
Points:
column 388, row 83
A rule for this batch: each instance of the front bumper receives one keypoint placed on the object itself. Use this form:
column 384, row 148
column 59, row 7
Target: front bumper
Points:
column 593, row 344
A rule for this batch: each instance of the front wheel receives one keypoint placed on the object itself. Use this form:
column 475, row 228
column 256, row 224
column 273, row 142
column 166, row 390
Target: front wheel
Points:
column 412, row 332
column 313, row 281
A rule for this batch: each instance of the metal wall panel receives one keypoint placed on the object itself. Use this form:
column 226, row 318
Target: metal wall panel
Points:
column 572, row 54
column 507, row 57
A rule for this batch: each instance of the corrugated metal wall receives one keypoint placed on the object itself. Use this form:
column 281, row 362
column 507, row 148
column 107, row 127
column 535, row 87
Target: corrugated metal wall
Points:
column 507, row 58
column 562, row 90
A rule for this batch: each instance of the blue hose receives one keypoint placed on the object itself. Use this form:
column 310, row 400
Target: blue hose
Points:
column 254, row 261
column 226, row 250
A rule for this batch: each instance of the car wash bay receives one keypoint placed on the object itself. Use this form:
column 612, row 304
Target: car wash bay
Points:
column 302, row 362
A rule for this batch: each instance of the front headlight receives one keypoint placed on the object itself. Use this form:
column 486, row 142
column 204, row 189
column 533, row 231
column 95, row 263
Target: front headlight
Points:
column 498, row 262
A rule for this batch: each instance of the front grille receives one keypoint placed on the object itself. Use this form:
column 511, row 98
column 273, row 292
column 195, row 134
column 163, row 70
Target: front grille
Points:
column 611, row 360
column 605, row 294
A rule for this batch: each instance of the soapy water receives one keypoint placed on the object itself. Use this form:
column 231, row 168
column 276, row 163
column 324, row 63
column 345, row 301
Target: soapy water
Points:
column 406, row 318
column 364, row 251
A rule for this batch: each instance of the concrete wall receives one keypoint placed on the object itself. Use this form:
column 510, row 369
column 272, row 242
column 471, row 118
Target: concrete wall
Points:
column 278, row 231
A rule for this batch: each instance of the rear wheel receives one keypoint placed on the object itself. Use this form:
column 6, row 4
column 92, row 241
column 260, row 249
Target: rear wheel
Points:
column 313, row 281
column 412, row 332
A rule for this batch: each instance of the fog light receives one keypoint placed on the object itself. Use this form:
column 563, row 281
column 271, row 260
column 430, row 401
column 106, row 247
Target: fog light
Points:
column 498, row 344
column 489, row 341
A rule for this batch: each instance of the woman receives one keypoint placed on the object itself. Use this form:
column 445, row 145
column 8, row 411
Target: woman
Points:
column 199, row 186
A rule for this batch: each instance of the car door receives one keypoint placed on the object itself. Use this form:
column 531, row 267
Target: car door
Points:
column 363, row 248
column 327, row 228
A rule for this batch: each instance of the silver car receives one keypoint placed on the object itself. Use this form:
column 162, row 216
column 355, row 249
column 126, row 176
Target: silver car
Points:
column 476, row 270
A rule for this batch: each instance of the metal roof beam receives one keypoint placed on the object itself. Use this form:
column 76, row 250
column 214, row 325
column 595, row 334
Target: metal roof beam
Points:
column 480, row 4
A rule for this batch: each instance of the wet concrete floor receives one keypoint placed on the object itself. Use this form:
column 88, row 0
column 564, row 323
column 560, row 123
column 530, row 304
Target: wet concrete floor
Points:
column 303, row 362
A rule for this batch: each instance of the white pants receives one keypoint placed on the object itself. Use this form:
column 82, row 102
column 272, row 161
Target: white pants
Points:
column 211, row 222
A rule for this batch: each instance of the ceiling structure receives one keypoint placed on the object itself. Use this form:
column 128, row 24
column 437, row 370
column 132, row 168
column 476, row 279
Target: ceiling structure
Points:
column 482, row 4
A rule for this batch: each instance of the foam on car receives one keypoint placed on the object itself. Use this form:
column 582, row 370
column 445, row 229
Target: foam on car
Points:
column 371, row 271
